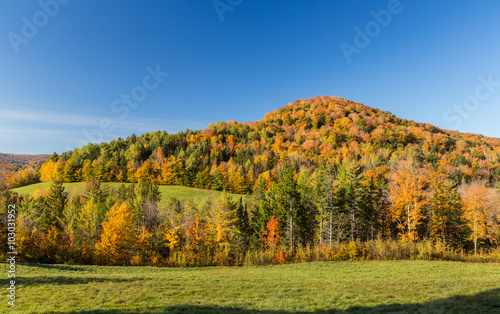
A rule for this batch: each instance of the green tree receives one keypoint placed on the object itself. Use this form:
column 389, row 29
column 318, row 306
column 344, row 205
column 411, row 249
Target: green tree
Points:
column 349, row 195
column 147, row 196
column 287, row 200
column 446, row 221
column 307, row 212
column 243, row 228
column 55, row 202
column 324, row 200
column 93, row 191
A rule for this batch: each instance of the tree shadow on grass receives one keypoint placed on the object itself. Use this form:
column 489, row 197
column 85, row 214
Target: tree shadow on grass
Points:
column 59, row 280
column 483, row 302
column 57, row 266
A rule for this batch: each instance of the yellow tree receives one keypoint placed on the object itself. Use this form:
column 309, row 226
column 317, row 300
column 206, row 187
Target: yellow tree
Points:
column 174, row 238
column 236, row 179
column 478, row 202
column 118, row 236
column 144, row 247
column 196, row 241
column 218, row 228
column 407, row 190
column 48, row 171
column 266, row 179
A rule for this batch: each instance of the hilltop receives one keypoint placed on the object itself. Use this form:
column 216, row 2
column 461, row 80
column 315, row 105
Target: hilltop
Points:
column 232, row 156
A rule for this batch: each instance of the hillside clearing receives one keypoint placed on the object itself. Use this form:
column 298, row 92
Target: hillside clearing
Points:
column 167, row 191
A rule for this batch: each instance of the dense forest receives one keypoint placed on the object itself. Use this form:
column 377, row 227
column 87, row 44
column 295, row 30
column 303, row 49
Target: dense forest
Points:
column 322, row 177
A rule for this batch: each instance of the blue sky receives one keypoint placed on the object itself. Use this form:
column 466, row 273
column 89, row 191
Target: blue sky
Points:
column 78, row 71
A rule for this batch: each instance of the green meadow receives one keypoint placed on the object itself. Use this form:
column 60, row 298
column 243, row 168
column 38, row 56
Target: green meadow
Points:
column 167, row 191
column 361, row 287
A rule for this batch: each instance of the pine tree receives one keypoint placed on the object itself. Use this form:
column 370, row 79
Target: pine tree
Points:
column 287, row 200
column 242, row 225
column 70, row 172
column 55, row 202
column 306, row 211
column 446, row 220
column 93, row 191
column 374, row 202
column 349, row 196
column 260, row 210
column 324, row 200
column 145, row 204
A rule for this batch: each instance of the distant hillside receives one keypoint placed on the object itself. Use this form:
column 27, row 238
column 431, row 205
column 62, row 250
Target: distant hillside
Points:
column 18, row 170
column 22, row 159
column 234, row 156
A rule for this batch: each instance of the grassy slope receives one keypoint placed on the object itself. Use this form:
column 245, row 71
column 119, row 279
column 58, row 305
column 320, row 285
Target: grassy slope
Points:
column 379, row 286
column 167, row 191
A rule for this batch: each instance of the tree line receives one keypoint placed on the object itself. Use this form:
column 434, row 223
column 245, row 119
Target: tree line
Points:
column 322, row 210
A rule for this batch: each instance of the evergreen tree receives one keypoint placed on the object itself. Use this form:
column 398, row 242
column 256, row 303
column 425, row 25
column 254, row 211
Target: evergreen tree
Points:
column 306, row 211
column 243, row 222
column 373, row 202
column 145, row 204
column 70, row 172
column 287, row 201
column 324, row 200
column 349, row 196
column 93, row 191
column 55, row 202
column 260, row 210
column 446, row 221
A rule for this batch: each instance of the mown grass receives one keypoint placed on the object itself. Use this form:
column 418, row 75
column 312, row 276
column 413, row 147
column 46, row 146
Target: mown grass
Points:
column 363, row 286
column 167, row 191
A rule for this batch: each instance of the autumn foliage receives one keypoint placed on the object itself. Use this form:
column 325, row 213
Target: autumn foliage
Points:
column 118, row 236
column 271, row 235
column 324, row 178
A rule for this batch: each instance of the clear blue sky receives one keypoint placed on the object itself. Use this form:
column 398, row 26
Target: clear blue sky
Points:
column 237, row 60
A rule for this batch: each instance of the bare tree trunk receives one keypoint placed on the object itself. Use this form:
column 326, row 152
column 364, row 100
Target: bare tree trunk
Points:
column 353, row 222
column 331, row 227
column 408, row 213
column 475, row 238
column 291, row 226
column 321, row 229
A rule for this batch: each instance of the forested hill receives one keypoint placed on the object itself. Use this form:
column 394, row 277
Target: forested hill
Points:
column 319, row 171
column 16, row 170
column 22, row 159
column 234, row 156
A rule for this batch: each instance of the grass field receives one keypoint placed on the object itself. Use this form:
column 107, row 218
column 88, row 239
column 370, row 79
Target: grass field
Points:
column 368, row 286
column 167, row 191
